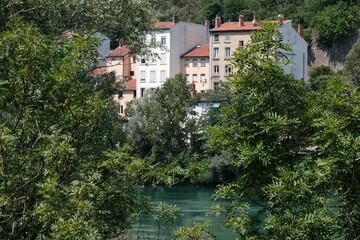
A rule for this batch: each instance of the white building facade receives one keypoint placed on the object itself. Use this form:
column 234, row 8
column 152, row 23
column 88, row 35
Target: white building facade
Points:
column 175, row 38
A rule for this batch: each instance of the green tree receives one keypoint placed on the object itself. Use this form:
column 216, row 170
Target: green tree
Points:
column 319, row 77
column 336, row 21
column 127, row 20
column 263, row 128
column 165, row 114
column 352, row 63
column 210, row 9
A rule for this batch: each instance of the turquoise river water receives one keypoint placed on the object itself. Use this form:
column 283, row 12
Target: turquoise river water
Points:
column 194, row 203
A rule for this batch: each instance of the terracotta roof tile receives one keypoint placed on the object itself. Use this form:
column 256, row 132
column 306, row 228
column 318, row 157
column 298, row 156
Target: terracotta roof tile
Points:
column 165, row 25
column 198, row 51
column 234, row 26
column 119, row 52
column 98, row 71
column 130, row 84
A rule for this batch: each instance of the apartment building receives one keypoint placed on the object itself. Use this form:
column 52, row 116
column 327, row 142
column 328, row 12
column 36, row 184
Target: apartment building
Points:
column 226, row 38
column 123, row 63
column 195, row 65
column 175, row 38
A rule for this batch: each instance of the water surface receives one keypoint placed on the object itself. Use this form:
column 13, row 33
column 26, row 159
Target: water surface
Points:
column 194, row 203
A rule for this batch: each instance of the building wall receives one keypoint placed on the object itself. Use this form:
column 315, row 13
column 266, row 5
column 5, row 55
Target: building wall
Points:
column 192, row 69
column 133, row 65
column 222, row 60
column 115, row 64
column 185, row 36
column 298, row 56
column 127, row 96
column 103, row 48
column 156, row 66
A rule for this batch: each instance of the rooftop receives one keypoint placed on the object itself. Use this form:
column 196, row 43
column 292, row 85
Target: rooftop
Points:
column 164, row 25
column 234, row 26
column 130, row 85
column 119, row 52
column 198, row 51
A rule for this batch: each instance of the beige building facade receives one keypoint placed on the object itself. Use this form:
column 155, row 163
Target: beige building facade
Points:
column 195, row 65
column 227, row 37
column 123, row 63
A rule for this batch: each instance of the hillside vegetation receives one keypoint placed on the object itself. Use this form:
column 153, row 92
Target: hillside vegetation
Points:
column 332, row 19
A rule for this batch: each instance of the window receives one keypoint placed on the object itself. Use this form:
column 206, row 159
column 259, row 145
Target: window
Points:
column 187, row 62
column 152, row 76
column 142, row 76
column 163, row 58
column 153, row 39
column 241, row 43
column 216, row 85
column 143, row 60
column 163, row 41
column 203, row 62
column 132, row 73
column 121, row 109
column 195, row 62
column 134, row 59
column 142, row 92
column 227, row 38
column 162, row 76
column 216, row 52
column 216, row 70
column 202, row 78
column 202, row 91
column 227, row 70
column 187, row 78
column 134, row 94
column 194, row 78
column 120, row 96
column 216, row 37
column 227, row 52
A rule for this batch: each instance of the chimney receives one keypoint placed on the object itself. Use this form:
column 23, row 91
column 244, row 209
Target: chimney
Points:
column 216, row 22
column 255, row 19
column 300, row 30
column 174, row 19
column 219, row 21
column 241, row 21
column 121, row 43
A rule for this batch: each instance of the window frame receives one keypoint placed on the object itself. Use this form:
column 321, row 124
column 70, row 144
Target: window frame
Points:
column 227, row 38
column 216, row 70
column 163, row 41
column 216, row 52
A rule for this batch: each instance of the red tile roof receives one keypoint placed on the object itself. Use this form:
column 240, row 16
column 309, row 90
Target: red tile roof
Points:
column 119, row 52
column 199, row 51
column 130, row 85
column 165, row 25
column 234, row 26
column 98, row 71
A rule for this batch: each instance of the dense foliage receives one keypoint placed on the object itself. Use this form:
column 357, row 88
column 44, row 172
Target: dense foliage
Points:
column 296, row 151
column 332, row 20
column 61, row 173
column 352, row 63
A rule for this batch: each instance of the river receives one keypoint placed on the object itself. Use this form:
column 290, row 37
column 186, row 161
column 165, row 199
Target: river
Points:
column 194, row 203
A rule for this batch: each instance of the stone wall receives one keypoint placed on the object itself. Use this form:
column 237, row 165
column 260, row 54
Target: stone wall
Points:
column 333, row 57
